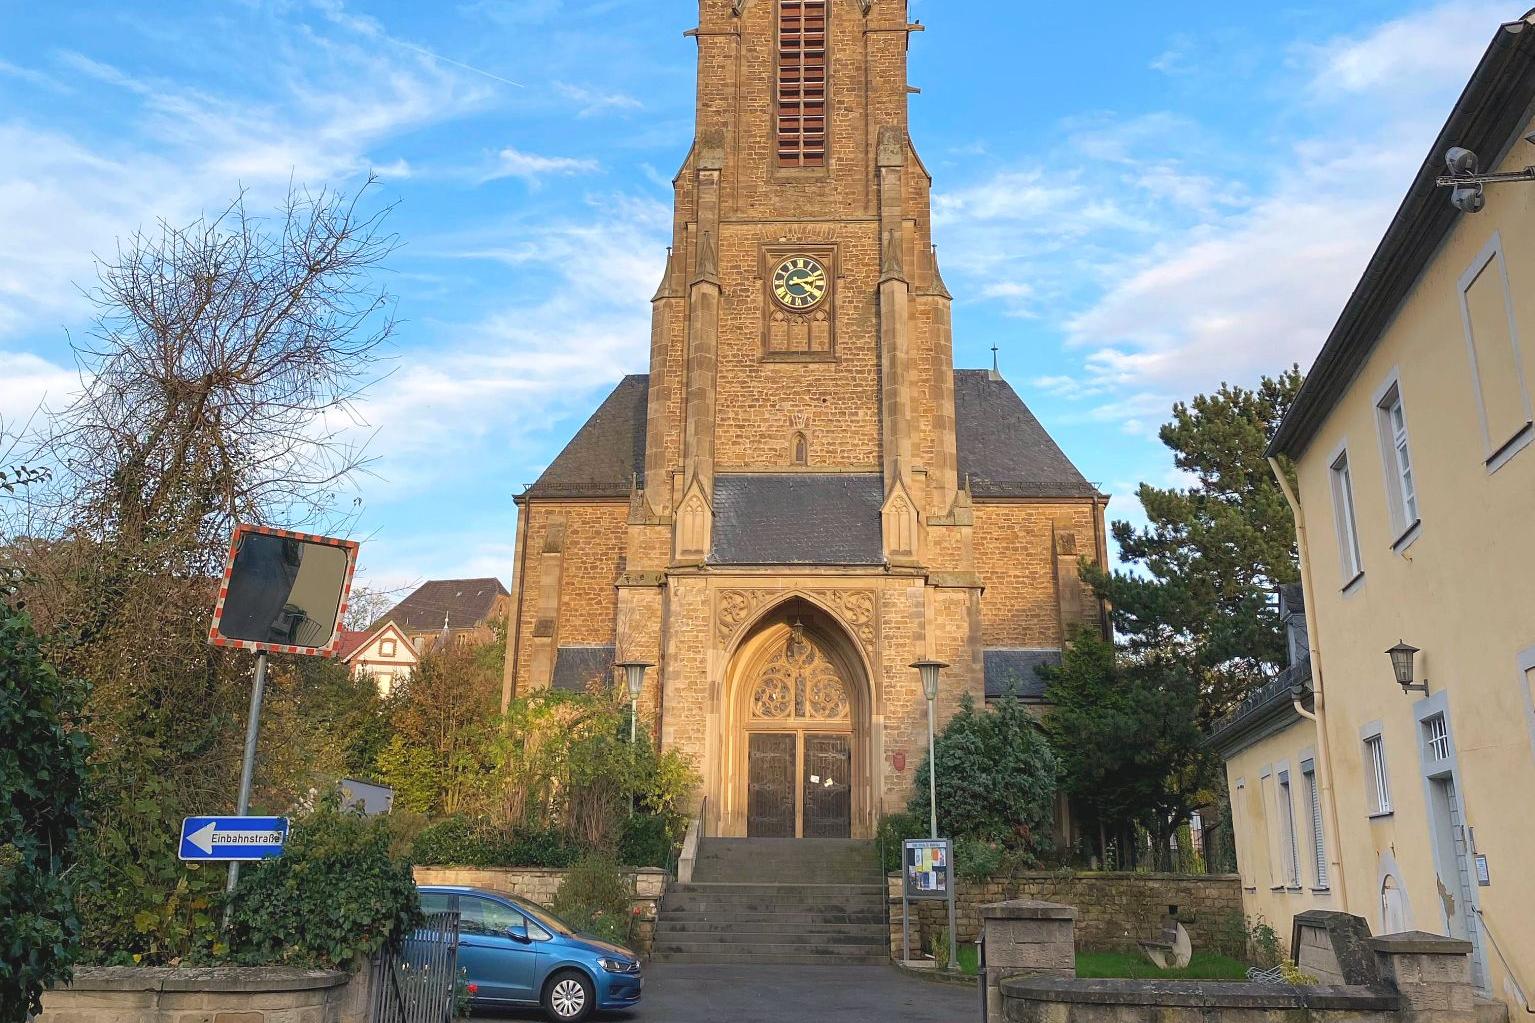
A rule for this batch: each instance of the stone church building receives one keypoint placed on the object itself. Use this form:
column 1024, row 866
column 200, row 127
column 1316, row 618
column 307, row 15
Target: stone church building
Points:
column 803, row 496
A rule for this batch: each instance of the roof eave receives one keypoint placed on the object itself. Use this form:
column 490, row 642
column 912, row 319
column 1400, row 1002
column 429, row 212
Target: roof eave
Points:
column 1490, row 108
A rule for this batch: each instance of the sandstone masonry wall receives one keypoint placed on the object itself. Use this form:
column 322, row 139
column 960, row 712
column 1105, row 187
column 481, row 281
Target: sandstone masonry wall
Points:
column 1114, row 911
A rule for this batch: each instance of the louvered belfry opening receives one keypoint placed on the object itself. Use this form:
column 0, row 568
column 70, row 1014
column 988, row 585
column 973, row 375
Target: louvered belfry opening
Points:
column 802, row 83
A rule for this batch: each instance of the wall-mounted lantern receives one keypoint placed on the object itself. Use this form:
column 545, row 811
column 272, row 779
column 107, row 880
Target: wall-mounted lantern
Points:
column 1401, row 665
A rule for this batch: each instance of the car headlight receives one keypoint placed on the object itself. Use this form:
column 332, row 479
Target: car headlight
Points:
column 618, row 965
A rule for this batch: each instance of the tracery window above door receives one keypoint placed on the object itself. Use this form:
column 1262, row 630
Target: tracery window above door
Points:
column 800, row 683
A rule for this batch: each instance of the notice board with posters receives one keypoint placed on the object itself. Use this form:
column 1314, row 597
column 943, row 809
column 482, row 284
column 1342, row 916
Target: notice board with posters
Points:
column 927, row 868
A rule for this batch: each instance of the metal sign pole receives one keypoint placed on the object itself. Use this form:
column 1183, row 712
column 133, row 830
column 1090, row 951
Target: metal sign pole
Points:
column 953, row 933
column 247, row 769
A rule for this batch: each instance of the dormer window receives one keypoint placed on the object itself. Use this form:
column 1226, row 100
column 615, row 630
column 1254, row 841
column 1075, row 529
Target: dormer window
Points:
column 802, row 83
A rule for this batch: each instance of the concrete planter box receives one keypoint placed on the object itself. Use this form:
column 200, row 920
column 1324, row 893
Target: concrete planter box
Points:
column 224, row 994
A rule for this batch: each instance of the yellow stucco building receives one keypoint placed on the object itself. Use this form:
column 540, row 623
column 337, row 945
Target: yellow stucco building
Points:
column 1414, row 496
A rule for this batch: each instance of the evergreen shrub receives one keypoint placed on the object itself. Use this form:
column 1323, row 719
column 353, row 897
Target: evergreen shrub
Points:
column 646, row 841
column 335, row 895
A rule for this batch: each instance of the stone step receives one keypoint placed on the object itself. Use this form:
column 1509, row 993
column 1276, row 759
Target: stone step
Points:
column 1491, row 1012
column 728, row 908
column 776, row 890
column 877, row 938
column 837, row 953
column 786, row 860
column 717, row 958
column 808, row 921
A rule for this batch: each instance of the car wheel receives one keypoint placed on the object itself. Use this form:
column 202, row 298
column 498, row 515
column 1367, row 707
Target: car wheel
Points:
column 569, row 997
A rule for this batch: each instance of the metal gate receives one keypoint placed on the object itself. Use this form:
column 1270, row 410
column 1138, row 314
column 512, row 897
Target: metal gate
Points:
column 416, row 981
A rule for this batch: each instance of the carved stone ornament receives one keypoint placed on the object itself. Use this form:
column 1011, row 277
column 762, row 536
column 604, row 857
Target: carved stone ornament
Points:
column 800, row 682
column 856, row 607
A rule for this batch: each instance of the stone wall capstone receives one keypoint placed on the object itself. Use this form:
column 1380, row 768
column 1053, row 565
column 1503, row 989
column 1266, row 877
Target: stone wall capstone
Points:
column 260, row 994
column 1114, row 911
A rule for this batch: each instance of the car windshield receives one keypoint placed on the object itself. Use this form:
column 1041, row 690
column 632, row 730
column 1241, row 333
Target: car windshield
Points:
column 543, row 916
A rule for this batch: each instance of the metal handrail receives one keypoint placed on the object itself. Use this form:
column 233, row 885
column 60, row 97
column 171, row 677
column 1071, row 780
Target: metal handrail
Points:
column 1507, row 967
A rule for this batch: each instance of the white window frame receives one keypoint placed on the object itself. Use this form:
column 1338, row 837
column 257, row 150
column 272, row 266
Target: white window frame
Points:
column 1377, row 772
column 1241, row 829
column 1289, row 852
column 1499, row 449
column 1436, row 740
column 1341, row 479
column 1268, row 796
column 1318, row 836
column 1396, row 461
column 387, row 648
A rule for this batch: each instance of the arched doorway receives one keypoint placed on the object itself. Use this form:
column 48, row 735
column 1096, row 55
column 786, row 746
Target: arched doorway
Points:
column 798, row 735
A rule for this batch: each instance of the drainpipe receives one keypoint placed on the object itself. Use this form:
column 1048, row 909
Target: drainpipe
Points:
column 1313, row 639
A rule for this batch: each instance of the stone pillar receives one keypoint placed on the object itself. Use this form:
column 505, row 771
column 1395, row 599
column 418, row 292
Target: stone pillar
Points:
column 1432, row 973
column 1026, row 938
column 1334, row 948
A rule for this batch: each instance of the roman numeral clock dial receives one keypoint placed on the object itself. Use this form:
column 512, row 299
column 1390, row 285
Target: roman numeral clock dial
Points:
column 800, row 283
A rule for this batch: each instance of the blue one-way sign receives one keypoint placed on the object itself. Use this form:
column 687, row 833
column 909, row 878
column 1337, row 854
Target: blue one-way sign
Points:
column 232, row 839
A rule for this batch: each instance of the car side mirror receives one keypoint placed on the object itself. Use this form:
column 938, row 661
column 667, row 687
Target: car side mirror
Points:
column 519, row 934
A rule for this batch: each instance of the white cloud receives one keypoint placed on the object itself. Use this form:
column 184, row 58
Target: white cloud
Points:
column 1187, row 265
column 28, row 383
column 595, row 101
column 514, row 163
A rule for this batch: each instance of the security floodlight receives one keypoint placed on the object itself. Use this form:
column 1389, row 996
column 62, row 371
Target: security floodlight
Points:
column 1469, row 183
column 1469, row 200
column 1461, row 162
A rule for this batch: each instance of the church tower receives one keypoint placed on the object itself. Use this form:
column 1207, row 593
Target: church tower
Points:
column 803, row 497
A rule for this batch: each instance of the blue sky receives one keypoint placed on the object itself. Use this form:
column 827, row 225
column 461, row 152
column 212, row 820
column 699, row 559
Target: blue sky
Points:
column 1134, row 201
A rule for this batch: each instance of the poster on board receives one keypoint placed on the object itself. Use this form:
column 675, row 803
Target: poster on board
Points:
column 927, row 866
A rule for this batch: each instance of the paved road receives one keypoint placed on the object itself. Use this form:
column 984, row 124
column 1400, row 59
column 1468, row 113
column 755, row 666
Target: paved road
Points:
column 771, row 994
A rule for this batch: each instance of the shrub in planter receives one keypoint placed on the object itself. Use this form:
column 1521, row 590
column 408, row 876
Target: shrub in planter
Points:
column 646, row 841
column 334, row 896
column 595, row 898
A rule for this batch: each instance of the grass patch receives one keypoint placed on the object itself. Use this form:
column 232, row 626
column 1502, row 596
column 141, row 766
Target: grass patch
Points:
column 1204, row 966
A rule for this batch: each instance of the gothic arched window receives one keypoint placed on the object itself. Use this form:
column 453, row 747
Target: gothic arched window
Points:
column 800, row 683
column 801, row 450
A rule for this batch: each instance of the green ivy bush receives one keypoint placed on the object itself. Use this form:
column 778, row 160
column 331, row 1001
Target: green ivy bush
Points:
column 43, row 779
column 335, row 895
column 595, row 898
column 645, row 841
column 475, row 842
column 996, row 779
column 976, row 861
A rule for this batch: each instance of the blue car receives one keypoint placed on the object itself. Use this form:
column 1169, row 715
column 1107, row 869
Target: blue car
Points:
column 516, row 952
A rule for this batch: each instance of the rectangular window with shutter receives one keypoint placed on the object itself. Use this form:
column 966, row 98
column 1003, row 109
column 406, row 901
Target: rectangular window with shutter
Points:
column 1401, row 484
column 1345, row 520
column 802, row 83
column 1488, row 315
column 1289, row 852
column 1318, row 842
column 1376, row 777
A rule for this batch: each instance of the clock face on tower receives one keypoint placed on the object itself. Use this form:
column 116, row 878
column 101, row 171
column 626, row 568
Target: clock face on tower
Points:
column 799, row 282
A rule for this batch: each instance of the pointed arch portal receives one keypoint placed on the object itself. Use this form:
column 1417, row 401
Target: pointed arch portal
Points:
column 797, row 708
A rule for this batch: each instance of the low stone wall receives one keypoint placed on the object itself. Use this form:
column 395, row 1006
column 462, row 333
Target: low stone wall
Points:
column 225, row 994
column 1398, row 978
column 1051, row 1000
column 1114, row 911
column 540, row 885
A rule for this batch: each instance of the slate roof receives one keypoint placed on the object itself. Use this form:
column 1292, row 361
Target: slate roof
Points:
column 1016, row 671
column 1003, row 449
column 465, row 603
column 1264, row 711
column 577, row 667
column 798, row 519
column 607, row 453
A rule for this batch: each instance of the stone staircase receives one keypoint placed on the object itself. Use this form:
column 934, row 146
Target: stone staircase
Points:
column 777, row 901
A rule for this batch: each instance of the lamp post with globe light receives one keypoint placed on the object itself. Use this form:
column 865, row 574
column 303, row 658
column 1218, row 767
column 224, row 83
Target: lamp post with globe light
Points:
column 929, row 671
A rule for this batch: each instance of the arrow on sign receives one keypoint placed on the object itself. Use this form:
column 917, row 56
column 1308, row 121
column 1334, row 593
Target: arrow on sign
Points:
column 233, row 838
column 209, row 836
